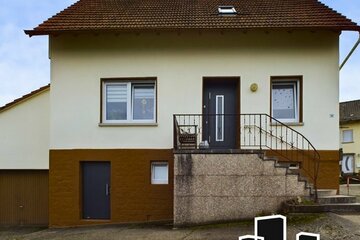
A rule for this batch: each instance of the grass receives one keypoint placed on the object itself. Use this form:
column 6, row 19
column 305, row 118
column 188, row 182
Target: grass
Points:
column 303, row 218
column 224, row 225
column 293, row 219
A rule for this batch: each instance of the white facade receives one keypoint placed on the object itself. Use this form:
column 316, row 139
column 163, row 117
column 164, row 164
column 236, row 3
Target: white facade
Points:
column 179, row 62
column 24, row 131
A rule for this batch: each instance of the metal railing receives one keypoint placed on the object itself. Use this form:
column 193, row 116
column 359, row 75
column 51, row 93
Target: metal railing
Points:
column 247, row 132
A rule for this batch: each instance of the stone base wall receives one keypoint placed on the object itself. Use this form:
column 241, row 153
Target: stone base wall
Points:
column 223, row 187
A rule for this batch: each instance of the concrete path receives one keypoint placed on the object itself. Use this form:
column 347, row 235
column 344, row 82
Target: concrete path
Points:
column 330, row 226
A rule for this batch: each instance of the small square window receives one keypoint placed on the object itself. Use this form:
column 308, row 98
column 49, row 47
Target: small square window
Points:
column 347, row 136
column 159, row 173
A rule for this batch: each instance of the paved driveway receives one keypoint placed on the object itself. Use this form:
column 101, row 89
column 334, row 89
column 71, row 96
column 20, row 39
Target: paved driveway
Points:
column 330, row 226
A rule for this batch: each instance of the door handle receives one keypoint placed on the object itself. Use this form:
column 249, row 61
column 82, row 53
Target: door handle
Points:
column 107, row 189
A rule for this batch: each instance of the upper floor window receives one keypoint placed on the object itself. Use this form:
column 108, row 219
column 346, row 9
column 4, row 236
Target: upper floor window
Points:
column 347, row 136
column 129, row 102
column 285, row 95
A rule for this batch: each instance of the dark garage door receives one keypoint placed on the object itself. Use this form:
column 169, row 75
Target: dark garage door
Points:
column 24, row 197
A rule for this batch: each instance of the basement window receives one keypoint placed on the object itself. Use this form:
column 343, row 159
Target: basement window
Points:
column 227, row 10
column 159, row 173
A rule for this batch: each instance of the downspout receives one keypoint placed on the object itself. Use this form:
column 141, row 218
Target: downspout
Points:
column 350, row 53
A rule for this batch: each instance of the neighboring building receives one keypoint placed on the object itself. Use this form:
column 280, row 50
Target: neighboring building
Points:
column 24, row 159
column 246, row 75
column 350, row 136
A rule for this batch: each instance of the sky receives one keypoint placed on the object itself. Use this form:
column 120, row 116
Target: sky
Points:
column 24, row 63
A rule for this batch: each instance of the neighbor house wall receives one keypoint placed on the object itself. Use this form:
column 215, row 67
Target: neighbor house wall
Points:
column 179, row 61
column 352, row 147
column 24, row 129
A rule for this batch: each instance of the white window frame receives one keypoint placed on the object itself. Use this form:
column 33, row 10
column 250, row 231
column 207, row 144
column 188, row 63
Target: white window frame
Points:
column 296, row 85
column 129, row 113
column 159, row 181
column 352, row 136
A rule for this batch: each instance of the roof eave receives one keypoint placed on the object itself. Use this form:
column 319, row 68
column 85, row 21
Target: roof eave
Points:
column 349, row 121
column 36, row 32
column 24, row 98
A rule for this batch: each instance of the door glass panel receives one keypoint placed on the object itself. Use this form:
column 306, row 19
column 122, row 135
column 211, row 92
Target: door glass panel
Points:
column 219, row 124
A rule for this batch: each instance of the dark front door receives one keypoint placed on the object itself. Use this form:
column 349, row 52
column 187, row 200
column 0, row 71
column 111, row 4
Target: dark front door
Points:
column 219, row 111
column 96, row 190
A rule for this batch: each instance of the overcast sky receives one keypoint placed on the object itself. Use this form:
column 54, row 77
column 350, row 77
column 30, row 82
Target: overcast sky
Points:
column 24, row 63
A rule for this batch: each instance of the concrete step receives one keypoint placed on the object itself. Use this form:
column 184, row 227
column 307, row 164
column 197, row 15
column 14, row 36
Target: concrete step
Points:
column 326, row 192
column 317, row 208
column 336, row 199
column 342, row 207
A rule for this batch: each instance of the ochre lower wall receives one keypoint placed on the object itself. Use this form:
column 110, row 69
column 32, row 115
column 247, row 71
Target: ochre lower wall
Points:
column 329, row 169
column 24, row 197
column 133, row 197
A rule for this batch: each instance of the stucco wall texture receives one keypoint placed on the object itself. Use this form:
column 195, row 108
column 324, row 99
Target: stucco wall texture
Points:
column 24, row 128
column 221, row 187
column 179, row 62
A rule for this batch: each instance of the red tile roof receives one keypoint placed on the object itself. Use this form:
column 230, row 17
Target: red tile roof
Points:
column 24, row 98
column 137, row 15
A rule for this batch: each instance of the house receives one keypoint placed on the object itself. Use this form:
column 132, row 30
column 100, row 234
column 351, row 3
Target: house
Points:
column 192, row 111
column 349, row 132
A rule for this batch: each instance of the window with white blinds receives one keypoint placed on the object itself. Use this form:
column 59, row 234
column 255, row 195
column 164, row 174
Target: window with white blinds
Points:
column 116, row 101
column 129, row 102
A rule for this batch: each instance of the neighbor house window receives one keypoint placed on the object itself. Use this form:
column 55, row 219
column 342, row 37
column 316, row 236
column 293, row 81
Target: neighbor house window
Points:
column 285, row 95
column 159, row 173
column 347, row 136
column 129, row 102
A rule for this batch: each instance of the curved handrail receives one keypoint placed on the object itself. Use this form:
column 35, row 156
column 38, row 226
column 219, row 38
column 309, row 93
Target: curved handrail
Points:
column 284, row 125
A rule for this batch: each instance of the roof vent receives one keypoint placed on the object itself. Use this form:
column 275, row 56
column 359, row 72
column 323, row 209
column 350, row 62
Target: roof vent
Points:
column 227, row 10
